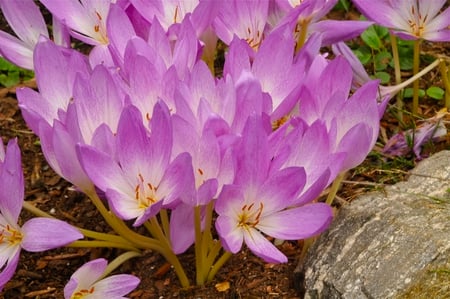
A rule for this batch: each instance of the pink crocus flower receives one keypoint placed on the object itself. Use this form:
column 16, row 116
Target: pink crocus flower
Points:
column 258, row 202
column 167, row 12
column 27, row 22
column 35, row 235
column 142, row 178
column 88, row 282
column 85, row 19
column 410, row 19
column 306, row 16
column 353, row 122
column 244, row 18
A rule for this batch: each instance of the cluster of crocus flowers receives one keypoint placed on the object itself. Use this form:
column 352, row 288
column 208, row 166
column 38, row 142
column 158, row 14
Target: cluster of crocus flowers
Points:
column 143, row 122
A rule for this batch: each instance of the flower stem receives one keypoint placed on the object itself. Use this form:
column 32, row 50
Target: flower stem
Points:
column 416, row 63
column 155, row 229
column 87, row 233
column 335, row 187
column 397, row 71
column 165, row 223
column 35, row 210
column 119, row 261
column 220, row 262
column 394, row 89
column 445, row 78
column 199, row 254
column 105, row 244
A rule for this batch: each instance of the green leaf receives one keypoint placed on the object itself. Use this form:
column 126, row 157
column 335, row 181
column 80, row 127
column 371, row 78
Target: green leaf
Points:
column 383, row 76
column 6, row 66
column 408, row 93
column 364, row 55
column 10, row 79
column 343, row 4
column 382, row 32
column 406, row 57
column 382, row 60
column 371, row 38
column 435, row 92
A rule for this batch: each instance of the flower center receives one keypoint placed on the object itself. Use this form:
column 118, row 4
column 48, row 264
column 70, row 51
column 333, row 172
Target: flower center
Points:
column 99, row 28
column 250, row 215
column 10, row 235
column 417, row 22
column 145, row 193
column 254, row 39
column 82, row 293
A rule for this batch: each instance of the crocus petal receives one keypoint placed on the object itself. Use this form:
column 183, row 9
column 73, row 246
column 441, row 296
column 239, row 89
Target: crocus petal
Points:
column 25, row 19
column 261, row 247
column 9, row 270
column 337, row 31
column 85, row 276
column 182, row 231
column 280, row 189
column 11, row 183
column 16, row 51
column 115, row 287
column 102, row 168
column 125, row 206
column 42, row 234
column 230, row 234
column 178, row 180
column 297, row 223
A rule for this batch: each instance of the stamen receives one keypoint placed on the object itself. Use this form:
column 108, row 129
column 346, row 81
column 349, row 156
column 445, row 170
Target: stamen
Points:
column 175, row 15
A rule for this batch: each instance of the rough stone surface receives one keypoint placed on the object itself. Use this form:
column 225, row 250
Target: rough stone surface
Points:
column 385, row 244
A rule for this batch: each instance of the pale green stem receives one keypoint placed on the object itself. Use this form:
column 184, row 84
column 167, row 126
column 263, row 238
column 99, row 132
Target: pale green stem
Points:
column 335, row 187
column 207, row 244
column 122, row 229
column 206, row 235
column 446, row 80
column 119, row 261
column 99, row 243
column 35, row 210
column 165, row 223
column 212, row 255
column 199, row 254
column 307, row 243
column 416, row 64
column 398, row 76
column 220, row 262
column 102, row 236
column 158, row 232
column 424, row 71
column 155, row 229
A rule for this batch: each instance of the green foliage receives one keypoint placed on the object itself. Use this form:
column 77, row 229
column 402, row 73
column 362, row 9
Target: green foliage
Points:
column 384, row 77
column 11, row 75
column 377, row 50
column 343, row 5
column 371, row 38
column 435, row 92
column 382, row 60
column 408, row 93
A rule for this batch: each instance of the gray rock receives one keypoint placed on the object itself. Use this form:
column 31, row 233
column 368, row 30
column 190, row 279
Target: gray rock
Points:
column 391, row 244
